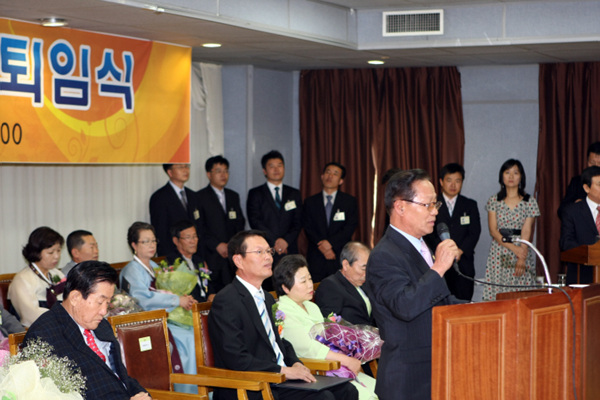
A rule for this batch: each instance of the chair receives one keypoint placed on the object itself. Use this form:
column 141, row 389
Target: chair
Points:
column 15, row 342
column 146, row 354
column 205, row 359
column 5, row 280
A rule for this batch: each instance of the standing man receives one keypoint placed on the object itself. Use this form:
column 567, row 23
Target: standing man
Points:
column 185, row 239
column 406, row 284
column 171, row 203
column 329, row 220
column 343, row 293
column 82, row 247
column 575, row 192
column 580, row 224
column 461, row 216
column 242, row 330
column 276, row 209
column 221, row 217
column 77, row 329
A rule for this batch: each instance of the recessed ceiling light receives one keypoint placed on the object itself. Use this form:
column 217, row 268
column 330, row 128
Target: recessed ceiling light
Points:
column 376, row 62
column 211, row 45
column 53, row 22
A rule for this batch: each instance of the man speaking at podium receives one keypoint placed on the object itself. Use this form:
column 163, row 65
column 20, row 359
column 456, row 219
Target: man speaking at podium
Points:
column 580, row 223
column 406, row 283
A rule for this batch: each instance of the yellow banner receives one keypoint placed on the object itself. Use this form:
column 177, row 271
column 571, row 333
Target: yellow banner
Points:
column 71, row 96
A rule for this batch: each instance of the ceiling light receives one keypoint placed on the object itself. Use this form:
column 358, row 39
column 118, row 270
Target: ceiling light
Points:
column 53, row 22
column 376, row 62
column 212, row 45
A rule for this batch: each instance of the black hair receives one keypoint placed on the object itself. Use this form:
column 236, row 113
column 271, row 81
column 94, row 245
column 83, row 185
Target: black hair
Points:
column 273, row 154
column 84, row 277
column 336, row 164
column 285, row 272
column 210, row 163
column 588, row 174
column 237, row 244
column 133, row 233
column 593, row 148
column 41, row 238
column 388, row 175
column 75, row 240
column 452, row 168
column 508, row 164
column 400, row 186
column 167, row 167
column 179, row 226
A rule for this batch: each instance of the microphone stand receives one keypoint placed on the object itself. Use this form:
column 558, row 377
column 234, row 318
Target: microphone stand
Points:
column 512, row 239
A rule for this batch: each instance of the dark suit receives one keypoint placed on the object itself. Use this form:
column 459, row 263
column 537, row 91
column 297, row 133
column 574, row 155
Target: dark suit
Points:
column 218, row 227
column 578, row 228
column 239, row 339
column 403, row 291
column 57, row 328
column 197, row 260
column 338, row 233
column 336, row 294
column 465, row 227
column 574, row 192
column 166, row 209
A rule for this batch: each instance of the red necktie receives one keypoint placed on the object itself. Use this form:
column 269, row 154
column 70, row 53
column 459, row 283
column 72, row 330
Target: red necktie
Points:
column 89, row 338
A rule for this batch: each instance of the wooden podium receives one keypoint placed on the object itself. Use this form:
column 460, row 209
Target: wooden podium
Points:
column 588, row 255
column 518, row 349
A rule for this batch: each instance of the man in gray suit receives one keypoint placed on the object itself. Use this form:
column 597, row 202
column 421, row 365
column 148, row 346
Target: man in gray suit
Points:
column 405, row 284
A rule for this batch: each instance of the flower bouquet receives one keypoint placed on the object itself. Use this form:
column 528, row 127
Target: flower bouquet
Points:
column 36, row 373
column 358, row 341
column 122, row 303
column 180, row 280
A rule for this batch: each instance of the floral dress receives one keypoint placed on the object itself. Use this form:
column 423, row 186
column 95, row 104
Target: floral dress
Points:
column 500, row 266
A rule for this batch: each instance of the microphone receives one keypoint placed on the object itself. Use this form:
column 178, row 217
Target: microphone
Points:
column 444, row 233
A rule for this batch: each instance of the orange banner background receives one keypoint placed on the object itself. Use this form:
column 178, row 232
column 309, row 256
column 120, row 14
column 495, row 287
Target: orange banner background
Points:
column 156, row 130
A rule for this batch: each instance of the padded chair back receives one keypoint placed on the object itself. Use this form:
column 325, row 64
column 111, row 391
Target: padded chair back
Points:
column 145, row 347
column 204, row 351
column 5, row 280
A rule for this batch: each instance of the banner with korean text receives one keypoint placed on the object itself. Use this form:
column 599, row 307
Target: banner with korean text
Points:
column 72, row 96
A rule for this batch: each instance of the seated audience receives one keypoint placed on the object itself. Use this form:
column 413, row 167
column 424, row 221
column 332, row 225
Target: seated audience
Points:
column 575, row 192
column 295, row 289
column 77, row 330
column 343, row 293
column 242, row 330
column 186, row 241
column 81, row 246
column 38, row 286
column 138, row 279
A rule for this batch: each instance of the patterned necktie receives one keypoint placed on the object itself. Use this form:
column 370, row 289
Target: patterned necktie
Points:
column 328, row 208
column 91, row 342
column 277, row 199
column 184, row 199
column 262, row 309
column 598, row 219
column 450, row 205
column 222, row 200
column 426, row 253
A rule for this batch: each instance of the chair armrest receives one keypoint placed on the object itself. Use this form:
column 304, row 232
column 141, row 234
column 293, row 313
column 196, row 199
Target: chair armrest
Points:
column 211, row 381
column 270, row 377
column 320, row 365
column 167, row 395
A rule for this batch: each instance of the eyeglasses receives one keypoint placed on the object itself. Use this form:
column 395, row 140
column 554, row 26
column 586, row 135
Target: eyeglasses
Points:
column 146, row 242
column 264, row 252
column 193, row 237
column 428, row 206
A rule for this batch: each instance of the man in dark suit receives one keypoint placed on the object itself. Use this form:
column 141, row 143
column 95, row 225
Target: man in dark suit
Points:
column 221, row 217
column 575, row 192
column 70, row 326
column 343, row 293
column 185, row 239
column 171, row 203
column 579, row 224
column 329, row 220
column 405, row 284
column 242, row 339
column 461, row 216
column 276, row 209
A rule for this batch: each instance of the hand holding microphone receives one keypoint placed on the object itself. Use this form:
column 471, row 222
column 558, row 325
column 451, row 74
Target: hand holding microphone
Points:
column 444, row 233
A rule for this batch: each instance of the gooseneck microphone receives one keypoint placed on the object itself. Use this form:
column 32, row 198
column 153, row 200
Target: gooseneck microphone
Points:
column 444, row 233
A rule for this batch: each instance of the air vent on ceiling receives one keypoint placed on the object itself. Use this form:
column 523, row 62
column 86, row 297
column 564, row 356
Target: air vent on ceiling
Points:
column 413, row 23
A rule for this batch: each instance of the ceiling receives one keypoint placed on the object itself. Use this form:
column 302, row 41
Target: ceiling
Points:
column 278, row 50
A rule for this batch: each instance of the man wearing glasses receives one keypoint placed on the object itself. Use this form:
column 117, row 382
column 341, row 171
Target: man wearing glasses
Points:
column 242, row 330
column 171, row 203
column 406, row 282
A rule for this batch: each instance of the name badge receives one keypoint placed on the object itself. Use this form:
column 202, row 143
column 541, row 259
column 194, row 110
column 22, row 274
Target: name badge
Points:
column 232, row 214
column 290, row 205
column 145, row 343
column 196, row 214
column 339, row 216
column 465, row 220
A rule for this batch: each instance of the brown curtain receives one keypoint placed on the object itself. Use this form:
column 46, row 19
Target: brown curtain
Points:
column 569, row 123
column 372, row 120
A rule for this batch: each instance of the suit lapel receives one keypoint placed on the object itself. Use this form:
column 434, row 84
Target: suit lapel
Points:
column 269, row 197
column 250, row 304
column 215, row 199
column 403, row 243
column 176, row 198
column 352, row 291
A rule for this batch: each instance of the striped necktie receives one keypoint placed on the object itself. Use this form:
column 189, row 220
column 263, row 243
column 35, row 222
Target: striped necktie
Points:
column 262, row 309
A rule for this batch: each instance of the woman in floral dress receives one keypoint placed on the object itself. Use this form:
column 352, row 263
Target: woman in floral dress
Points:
column 511, row 208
